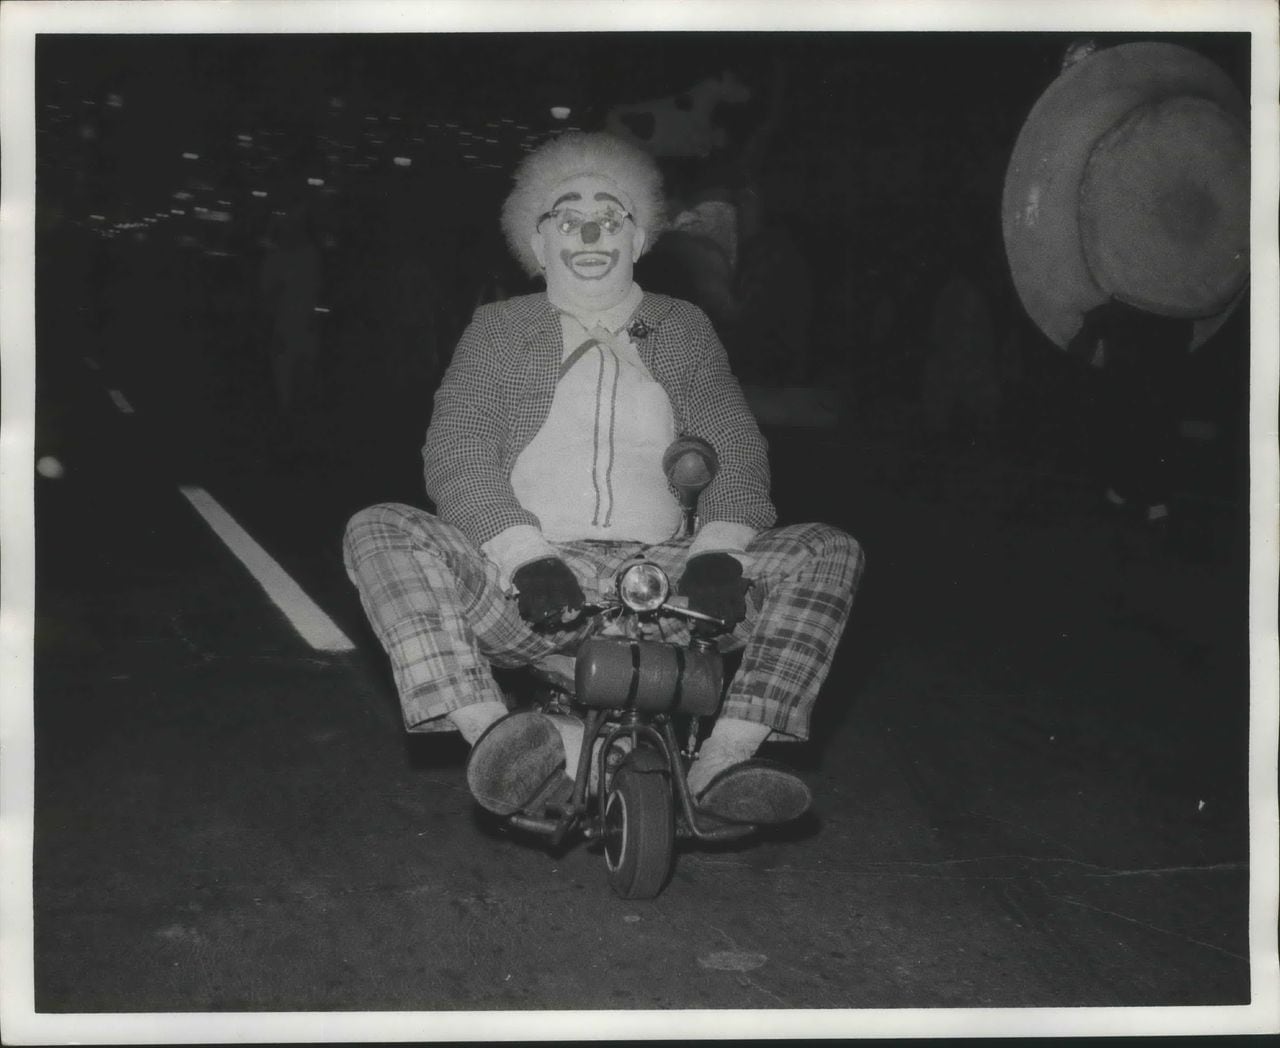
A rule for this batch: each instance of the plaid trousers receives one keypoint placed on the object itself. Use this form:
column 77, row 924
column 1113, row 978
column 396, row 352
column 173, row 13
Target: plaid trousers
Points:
column 435, row 602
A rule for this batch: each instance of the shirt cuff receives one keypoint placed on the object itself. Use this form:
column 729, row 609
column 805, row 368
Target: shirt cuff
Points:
column 515, row 547
column 724, row 536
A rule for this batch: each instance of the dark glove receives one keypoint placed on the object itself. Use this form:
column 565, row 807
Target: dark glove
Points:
column 714, row 584
column 547, row 588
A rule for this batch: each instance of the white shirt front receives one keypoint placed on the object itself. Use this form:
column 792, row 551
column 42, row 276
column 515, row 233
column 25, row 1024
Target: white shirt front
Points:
column 594, row 469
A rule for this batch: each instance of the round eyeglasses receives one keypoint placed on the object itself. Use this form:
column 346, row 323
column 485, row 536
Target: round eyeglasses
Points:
column 569, row 221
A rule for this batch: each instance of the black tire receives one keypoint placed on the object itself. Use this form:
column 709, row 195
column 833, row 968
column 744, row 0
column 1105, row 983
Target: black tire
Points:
column 639, row 838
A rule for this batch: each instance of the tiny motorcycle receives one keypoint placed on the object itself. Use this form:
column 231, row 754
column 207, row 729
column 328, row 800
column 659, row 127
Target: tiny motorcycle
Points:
column 638, row 695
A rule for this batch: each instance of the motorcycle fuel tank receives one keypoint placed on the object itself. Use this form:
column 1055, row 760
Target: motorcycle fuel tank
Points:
column 648, row 675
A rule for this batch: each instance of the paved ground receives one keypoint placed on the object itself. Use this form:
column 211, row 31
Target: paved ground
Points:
column 1029, row 762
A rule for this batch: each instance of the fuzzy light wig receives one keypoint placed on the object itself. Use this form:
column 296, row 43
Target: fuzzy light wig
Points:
column 567, row 156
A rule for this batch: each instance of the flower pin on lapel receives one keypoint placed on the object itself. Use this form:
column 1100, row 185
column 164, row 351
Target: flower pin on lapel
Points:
column 639, row 329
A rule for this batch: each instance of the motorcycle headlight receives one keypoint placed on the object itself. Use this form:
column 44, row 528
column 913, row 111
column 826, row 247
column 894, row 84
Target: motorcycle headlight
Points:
column 644, row 587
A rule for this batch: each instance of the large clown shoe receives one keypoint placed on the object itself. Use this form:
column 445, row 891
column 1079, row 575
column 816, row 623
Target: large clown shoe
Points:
column 518, row 764
column 1130, row 180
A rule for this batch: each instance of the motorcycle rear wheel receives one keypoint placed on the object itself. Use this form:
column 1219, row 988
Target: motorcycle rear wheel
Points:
column 639, row 826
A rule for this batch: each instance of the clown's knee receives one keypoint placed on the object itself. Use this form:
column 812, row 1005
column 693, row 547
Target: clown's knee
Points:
column 824, row 542
column 838, row 553
column 849, row 549
column 369, row 528
column 817, row 554
column 371, row 518
column 830, row 541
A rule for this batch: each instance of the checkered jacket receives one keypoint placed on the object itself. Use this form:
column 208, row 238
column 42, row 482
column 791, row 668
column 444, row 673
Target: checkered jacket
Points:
column 498, row 390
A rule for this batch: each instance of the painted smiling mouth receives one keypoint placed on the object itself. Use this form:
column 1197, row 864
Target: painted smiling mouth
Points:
column 597, row 263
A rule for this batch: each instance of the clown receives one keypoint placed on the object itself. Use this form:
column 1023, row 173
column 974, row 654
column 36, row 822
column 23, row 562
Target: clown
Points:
column 544, row 461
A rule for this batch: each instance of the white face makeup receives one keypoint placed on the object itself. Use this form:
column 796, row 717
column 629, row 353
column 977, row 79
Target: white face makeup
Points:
column 587, row 243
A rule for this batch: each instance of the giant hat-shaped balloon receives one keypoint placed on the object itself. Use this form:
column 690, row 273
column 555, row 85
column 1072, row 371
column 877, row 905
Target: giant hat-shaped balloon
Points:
column 1130, row 179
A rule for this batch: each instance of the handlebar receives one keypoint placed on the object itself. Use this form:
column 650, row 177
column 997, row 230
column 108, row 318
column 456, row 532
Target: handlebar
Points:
column 675, row 605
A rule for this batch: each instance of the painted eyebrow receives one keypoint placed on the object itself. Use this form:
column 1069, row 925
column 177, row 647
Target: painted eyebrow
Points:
column 567, row 196
column 610, row 196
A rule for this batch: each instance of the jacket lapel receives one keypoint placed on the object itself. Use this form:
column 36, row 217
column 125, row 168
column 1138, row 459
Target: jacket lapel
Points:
column 539, row 350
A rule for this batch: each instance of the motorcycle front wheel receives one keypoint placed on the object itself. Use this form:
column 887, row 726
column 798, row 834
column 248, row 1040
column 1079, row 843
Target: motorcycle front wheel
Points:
column 639, row 826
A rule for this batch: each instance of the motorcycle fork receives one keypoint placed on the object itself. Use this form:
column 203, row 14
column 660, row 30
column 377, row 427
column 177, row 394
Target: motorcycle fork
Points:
column 630, row 725
column 667, row 743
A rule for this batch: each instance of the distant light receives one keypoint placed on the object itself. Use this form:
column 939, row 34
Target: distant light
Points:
column 259, row 193
column 245, row 138
column 98, row 218
column 176, row 211
column 315, row 181
column 561, row 112
column 402, row 161
column 115, row 101
column 190, row 156
column 182, row 194
column 225, row 203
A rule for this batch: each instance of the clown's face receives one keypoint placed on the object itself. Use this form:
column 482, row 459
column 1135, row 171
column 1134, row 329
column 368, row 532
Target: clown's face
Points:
column 587, row 243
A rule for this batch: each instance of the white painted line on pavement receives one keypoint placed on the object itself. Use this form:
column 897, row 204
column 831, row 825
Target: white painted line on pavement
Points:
column 314, row 626
column 117, row 398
